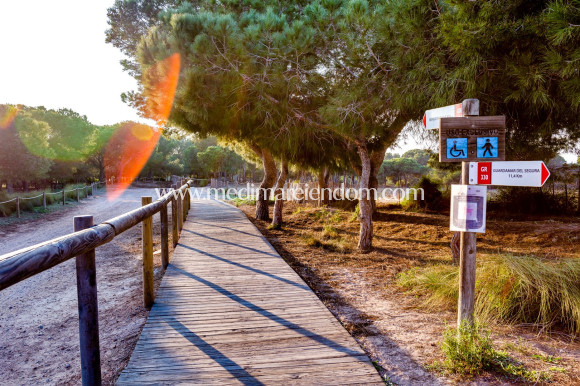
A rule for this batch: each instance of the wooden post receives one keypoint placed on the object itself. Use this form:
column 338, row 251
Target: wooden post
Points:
column 44, row 200
column 179, row 211
column 88, row 310
column 63, row 196
column 147, row 235
column 78, row 198
column 184, row 204
column 188, row 198
column 467, row 244
column 18, row 206
column 164, row 237
column 174, row 222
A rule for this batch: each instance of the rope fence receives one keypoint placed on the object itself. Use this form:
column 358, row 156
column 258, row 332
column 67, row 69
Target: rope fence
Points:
column 63, row 194
column 87, row 190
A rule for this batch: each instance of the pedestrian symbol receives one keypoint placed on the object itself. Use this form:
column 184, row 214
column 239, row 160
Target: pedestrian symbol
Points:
column 456, row 147
column 487, row 147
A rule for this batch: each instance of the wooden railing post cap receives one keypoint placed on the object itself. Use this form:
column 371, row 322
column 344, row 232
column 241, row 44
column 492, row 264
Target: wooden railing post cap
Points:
column 82, row 222
column 146, row 200
column 470, row 107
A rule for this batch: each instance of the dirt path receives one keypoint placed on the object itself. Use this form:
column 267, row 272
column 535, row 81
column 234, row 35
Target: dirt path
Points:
column 38, row 317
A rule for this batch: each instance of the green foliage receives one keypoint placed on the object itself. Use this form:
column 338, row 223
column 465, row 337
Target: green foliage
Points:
column 519, row 58
column 469, row 351
column 511, row 289
column 238, row 201
column 401, row 170
column 433, row 198
column 422, row 156
column 17, row 162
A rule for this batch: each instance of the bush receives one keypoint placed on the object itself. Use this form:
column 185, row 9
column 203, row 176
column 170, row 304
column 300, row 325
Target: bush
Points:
column 468, row 350
column 518, row 200
column 433, row 197
column 510, row 289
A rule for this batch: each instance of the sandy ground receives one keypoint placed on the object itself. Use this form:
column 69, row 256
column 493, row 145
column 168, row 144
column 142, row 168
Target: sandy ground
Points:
column 361, row 289
column 38, row 317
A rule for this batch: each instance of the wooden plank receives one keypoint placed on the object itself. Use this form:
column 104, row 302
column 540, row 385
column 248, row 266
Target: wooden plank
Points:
column 229, row 310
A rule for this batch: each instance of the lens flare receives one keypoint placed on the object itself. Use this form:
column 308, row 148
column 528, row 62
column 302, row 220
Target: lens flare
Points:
column 133, row 143
column 160, row 82
column 7, row 115
column 127, row 153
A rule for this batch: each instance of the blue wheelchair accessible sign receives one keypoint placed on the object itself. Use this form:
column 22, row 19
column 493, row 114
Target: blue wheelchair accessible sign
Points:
column 487, row 147
column 456, row 147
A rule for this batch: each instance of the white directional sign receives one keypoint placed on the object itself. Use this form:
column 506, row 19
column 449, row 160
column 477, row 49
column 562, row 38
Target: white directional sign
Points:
column 431, row 117
column 508, row 173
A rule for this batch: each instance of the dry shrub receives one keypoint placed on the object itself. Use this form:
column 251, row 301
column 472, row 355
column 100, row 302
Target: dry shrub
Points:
column 509, row 288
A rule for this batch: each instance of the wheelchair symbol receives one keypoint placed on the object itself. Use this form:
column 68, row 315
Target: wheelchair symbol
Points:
column 456, row 147
column 455, row 152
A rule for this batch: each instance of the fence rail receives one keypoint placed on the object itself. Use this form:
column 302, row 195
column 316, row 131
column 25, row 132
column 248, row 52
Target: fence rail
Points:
column 63, row 192
column 27, row 262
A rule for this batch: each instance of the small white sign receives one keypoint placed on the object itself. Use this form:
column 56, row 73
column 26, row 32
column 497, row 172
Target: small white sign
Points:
column 509, row 173
column 468, row 208
column 431, row 117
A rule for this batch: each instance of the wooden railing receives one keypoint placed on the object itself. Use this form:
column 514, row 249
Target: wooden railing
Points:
column 22, row 264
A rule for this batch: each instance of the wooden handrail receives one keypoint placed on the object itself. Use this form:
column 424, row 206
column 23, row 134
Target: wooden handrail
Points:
column 24, row 263
column 30, row 261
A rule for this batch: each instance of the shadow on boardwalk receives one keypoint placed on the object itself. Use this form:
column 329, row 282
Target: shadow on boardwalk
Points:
column 230, row 310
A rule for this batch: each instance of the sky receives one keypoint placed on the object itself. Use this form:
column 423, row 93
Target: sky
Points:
column 53, row 54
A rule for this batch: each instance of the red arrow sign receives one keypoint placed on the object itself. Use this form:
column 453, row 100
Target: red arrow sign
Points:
column 508, row 173
column 545, row 173
column 431, row 117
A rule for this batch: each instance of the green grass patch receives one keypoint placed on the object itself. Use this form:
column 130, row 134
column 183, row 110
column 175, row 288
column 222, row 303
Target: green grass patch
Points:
column 511, row 289
column 469, row 351
column 329, row 232
column 238, row 201
column 547, row 358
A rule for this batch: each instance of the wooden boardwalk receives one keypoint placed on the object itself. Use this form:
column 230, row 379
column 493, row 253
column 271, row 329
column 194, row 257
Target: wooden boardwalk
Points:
column 231, row 311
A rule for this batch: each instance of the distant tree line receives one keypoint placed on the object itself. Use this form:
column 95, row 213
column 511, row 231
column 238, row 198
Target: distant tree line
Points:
column 43, row 148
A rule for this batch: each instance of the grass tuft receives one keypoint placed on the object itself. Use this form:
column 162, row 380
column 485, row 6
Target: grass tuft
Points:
column 469, row 351
column 511, row 289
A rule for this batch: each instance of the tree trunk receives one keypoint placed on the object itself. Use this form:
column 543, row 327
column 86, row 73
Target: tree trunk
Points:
column 565, row 197
column 323, row 176
column 262, row 212
column 377, row 157
column 279, row 203
column 365, row 242
column 578, row 209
